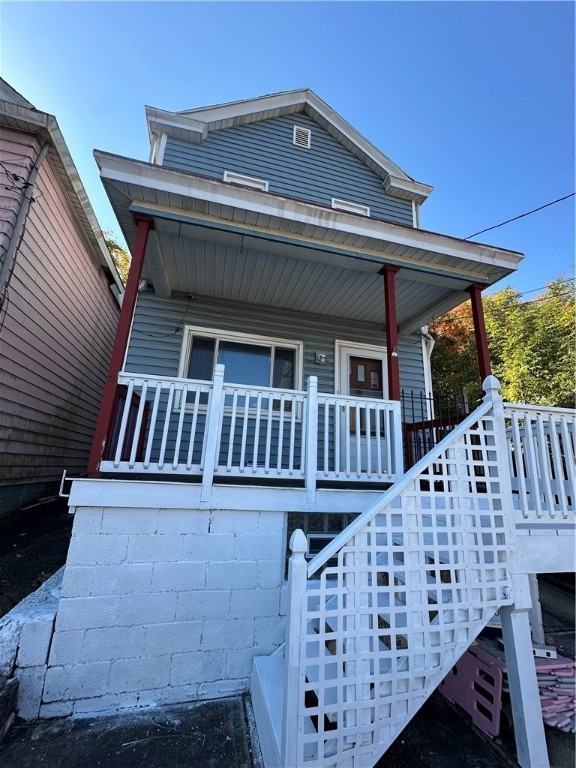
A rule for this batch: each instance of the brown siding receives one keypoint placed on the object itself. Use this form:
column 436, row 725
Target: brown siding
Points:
column 17, row 155
column 55, row 341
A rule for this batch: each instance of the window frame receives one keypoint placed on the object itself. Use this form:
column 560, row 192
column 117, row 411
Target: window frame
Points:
column 218, row 334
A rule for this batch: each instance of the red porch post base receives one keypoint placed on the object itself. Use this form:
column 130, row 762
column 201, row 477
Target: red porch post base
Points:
column 389, row 273
column 144, row 225
column 482, row 351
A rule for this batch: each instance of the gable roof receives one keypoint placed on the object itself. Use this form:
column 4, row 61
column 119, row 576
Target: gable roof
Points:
column 194, row 125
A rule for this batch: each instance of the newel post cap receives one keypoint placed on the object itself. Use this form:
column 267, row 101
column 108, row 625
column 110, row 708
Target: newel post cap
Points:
column 298, row 542
column 491, row 385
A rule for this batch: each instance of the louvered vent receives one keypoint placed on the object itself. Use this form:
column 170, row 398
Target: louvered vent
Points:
column 246, row 181
column 302, row 137
column 346, row 205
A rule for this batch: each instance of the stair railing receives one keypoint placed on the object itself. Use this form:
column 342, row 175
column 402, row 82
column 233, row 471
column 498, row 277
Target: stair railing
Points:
column 388, row 607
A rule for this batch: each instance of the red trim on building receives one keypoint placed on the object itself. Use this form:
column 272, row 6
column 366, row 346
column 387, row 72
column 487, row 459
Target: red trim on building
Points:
column 482, row 350
column 389, row 273
column 143, row 227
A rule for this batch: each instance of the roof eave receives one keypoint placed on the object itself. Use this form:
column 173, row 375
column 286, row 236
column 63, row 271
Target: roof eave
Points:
column 45, row 126
column 115, row 168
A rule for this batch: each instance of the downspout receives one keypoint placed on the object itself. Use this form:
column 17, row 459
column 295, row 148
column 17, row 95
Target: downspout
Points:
column 427, row 347
column 20, row 223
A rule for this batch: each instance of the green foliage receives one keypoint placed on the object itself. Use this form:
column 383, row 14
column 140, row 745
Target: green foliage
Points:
column 120, row 255
column 532, row 346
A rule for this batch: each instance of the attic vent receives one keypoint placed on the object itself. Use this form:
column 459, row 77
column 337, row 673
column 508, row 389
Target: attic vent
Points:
column 346, row 205
column 302, row 137
column 247, row 181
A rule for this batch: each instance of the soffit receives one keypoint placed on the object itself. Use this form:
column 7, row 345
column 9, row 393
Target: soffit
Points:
column 214, row 239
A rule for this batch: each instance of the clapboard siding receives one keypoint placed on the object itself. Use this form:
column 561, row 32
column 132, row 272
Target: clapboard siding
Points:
column 17, row 155
column 265, row 150
column 56, row 339
column 157, row 333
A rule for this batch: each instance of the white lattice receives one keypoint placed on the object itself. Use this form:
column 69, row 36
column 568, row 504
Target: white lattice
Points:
column 397, row 598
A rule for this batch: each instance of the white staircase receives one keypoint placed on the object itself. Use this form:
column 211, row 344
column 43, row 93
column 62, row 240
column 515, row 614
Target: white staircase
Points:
column 378, row 618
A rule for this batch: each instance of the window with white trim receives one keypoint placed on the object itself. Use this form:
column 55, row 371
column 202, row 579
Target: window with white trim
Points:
column 247, row 359
column 347, row 205
column 302, row 137
column 246, row 181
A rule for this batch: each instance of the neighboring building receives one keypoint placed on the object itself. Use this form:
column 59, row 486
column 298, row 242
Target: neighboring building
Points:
column 58, row 307
column 273, row 317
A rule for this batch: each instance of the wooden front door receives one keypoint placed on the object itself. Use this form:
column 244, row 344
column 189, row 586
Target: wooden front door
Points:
column 365, row 380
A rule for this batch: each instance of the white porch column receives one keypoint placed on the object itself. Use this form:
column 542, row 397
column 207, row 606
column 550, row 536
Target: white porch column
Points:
column 311, row 435
column 526, row 710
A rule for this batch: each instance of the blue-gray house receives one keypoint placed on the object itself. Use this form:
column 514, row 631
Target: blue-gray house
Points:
column 274, row 315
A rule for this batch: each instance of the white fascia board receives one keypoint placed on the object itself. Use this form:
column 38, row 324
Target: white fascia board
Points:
column 175, row 125
column 121, row 169
column 406, row 189
column 39, row 123
column 349, row 132
column 260, row 105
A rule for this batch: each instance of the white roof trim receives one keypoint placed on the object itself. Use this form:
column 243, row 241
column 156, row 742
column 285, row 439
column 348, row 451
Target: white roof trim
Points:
column 121, row 169
column 289, row 103
column 18, row 118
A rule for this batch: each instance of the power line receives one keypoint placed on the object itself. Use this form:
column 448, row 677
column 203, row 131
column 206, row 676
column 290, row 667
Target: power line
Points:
column 521, row 216
column 544, row 287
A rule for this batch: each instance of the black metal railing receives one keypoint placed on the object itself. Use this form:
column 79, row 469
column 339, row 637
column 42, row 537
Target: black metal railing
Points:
column 426, row 419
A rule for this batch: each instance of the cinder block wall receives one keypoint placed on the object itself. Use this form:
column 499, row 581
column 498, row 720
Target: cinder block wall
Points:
column 164, row 606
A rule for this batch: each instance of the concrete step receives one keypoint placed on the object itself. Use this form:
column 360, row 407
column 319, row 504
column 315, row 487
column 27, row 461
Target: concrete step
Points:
column 267, row 691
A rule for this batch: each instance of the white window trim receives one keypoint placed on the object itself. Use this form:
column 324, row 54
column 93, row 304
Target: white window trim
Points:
column 302, row 128
column 350, row 207
column 245, row 338
column 247, row 181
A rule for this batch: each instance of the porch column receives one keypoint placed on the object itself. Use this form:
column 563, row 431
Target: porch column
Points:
column 391, row 332
column 484, row 366
column 143, row 226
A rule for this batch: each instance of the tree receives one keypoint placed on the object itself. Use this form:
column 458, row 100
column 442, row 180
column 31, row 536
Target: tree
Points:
column 532, row 346
column 120, row 255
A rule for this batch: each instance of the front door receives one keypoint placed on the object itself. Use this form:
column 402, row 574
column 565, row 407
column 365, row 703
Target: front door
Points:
column 362, row 375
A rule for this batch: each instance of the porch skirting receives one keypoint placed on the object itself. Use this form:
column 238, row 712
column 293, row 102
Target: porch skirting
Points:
column 162, row 604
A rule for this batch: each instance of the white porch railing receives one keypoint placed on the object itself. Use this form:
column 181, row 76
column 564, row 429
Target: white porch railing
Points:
column 175, row 426
column 542, row 455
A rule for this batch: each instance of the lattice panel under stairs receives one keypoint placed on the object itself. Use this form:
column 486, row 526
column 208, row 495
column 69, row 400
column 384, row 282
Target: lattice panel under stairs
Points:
column 400, row 602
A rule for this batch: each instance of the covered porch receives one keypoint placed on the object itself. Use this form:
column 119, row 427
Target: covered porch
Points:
column 364, row 286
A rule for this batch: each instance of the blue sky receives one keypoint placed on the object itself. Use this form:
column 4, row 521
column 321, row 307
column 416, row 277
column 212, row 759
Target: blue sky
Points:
column 474, row 98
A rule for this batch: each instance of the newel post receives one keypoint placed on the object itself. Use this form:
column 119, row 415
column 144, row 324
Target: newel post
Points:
column 297, row 575
column 311, row 466
column 212, row 434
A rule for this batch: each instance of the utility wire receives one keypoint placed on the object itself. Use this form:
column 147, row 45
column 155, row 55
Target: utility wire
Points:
column 544, row 287
column 521, row 216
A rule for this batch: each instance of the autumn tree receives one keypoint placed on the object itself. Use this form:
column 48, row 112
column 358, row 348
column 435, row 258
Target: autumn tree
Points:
column 532, row 346
column 120, row 255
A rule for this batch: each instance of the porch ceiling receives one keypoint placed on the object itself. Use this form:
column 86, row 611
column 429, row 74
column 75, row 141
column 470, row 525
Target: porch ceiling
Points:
column 224, row 241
